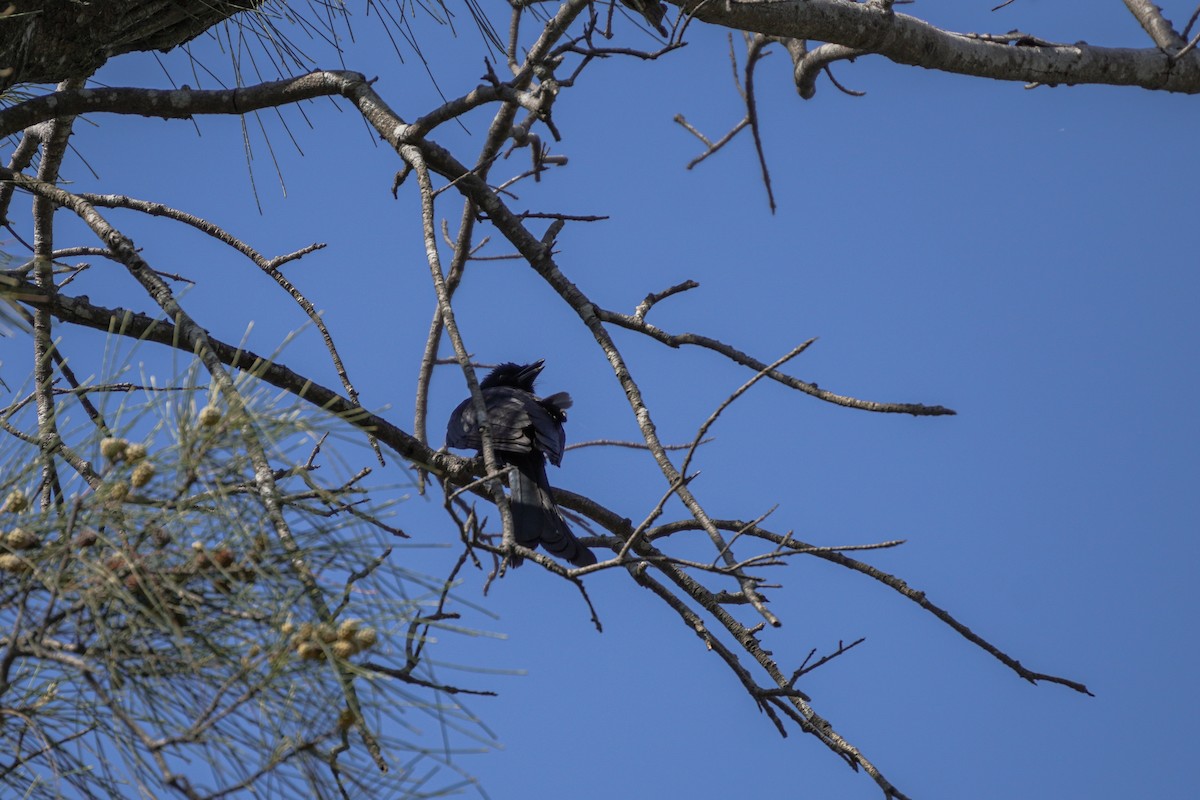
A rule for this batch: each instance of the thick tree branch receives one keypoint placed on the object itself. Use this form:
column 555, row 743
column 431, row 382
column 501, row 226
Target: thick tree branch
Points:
column 908, row 40
column 175, row 104
column 1150, row 17
column 80, row 311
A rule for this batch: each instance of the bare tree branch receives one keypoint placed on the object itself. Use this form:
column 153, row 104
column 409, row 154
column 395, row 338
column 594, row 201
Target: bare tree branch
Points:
column 907, row 40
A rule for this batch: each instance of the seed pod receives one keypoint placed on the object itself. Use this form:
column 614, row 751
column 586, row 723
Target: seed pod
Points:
column 366, row 638
column 142, row 474
column 21, row 539
column 11, row 562
column 135, row 451
column 344, row 650
column 210, row 416
column 16, row 501
column 310, row 651
column 348, row 628
column 113, row 448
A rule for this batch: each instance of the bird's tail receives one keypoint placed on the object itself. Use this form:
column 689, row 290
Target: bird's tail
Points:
column 536, row 519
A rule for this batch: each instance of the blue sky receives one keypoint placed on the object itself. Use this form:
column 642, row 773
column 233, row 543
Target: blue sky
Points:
column 1024, row 257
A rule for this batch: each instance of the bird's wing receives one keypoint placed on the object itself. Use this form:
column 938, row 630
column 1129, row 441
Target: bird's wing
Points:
column 552, row 439
column 460, row 427
column 511, row 415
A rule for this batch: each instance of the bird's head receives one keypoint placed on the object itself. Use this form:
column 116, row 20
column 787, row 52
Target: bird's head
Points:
column 518, row 376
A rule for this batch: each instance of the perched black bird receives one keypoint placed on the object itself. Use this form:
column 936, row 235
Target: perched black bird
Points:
column 526, row 430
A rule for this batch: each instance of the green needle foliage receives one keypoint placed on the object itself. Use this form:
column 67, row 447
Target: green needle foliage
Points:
column 155, row 624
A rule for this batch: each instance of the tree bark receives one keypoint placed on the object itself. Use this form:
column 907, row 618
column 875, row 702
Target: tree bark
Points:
column 875, row 28
column 52, row 40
